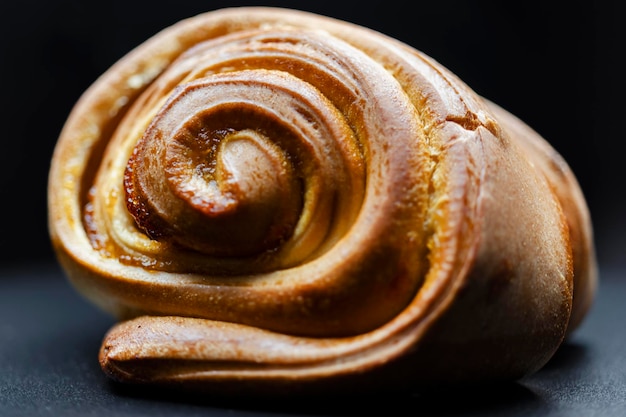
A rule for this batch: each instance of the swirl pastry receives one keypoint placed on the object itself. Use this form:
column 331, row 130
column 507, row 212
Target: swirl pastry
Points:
column 268, row 198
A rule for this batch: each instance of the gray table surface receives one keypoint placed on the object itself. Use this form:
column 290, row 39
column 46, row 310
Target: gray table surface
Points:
column 50, row 336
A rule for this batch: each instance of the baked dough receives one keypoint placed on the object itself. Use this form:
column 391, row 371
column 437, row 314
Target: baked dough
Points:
column 275, row 201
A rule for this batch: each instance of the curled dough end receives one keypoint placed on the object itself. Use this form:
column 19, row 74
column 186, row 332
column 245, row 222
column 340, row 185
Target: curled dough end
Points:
column 268, row 199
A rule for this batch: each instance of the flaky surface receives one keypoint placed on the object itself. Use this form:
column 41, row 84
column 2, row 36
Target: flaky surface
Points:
column 268, row 198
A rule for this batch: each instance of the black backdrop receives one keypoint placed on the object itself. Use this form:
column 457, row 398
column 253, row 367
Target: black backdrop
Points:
column 556, row 65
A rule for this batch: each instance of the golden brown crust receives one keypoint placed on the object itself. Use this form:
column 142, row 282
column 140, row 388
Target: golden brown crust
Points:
column 565, row 186
column 282, row 199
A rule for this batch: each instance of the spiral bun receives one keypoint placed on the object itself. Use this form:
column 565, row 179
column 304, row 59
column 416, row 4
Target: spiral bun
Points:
column 267, row 197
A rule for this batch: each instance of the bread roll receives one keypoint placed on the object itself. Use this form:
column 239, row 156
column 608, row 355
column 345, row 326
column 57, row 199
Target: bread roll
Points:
column 272, row 201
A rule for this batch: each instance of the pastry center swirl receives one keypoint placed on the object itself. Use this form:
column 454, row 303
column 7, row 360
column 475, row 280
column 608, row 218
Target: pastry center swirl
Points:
column 233, row 164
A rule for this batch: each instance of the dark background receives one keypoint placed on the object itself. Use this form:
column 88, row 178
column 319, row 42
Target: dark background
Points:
column 556, row 65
